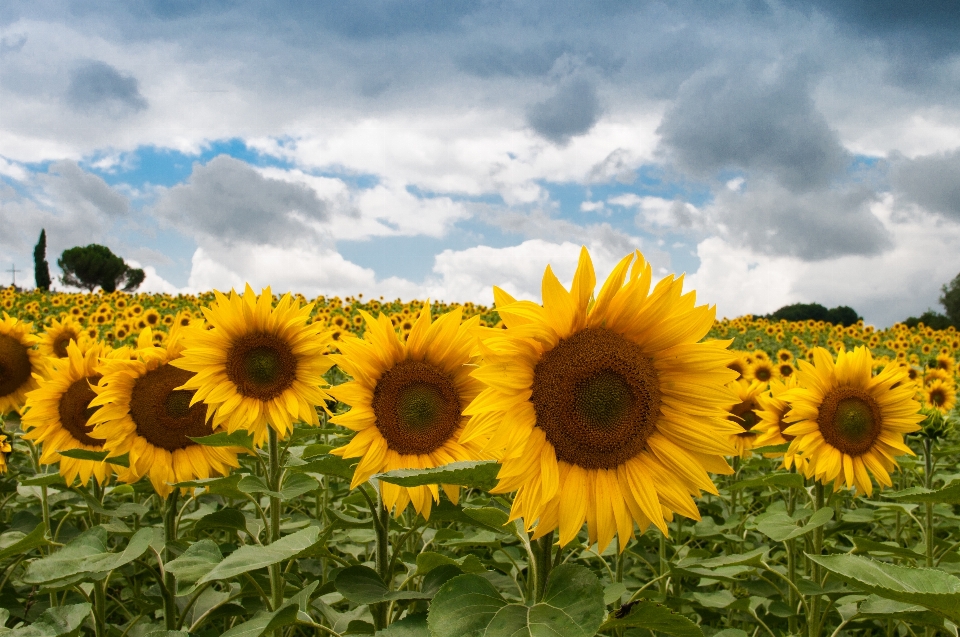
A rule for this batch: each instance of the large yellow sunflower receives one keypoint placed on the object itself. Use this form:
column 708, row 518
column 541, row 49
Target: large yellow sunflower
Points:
column 20, row 364
column 744, row 414
column 604, row 410
column 57, row 413
column 54, row 339
column 849, row 422
column 258, row 364
column 407, row 401
column 143, row 412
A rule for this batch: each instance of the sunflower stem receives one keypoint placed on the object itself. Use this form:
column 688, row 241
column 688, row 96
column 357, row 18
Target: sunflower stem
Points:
column 792, row 566
column 928, row 510
column 544, row 555
column 664, row 566
column 273, row 533
column 381, row 526
column 813, row 622
column 169, row 582
column 100, row 607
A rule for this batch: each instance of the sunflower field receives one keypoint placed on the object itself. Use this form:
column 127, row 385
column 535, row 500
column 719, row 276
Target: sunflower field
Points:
column 612, row 461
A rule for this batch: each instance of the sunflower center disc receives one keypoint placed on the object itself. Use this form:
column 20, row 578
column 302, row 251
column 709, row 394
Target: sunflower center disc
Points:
column 417, row 407
column 763, row 373
column 163, row 414
column 937, row 397
column 60, row 345
column 74, row 410
column 850, row 420
column 597, row 398
column 745, row 415
column 262, row 366
column 14, row 365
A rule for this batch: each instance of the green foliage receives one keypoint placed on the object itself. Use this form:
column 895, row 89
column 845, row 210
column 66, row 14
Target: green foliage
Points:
column 840, row 315
column 950, row 300
column 930, row 318
column 41, row 269
column 88, row 267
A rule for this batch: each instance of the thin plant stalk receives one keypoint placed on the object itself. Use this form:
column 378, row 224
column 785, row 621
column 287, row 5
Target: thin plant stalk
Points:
column 381, row 526
column 813, row 621
column 169, row 581
column 544, row 555
column 273, row 533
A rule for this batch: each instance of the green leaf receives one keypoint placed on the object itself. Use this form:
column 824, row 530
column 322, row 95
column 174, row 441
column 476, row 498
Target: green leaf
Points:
column 225, row 486
column 931, row 588
column 572, row 606
column 43, row 480
column 781, row 527
column 28, row 542
column 54, row 622
column 251, row 557
column 96, row 456
column 753, row 558
column 781, row 448
column 267, row 622
column 329, row 465
column 878, row 607
column 949, row 494
column 480, row 474
column 239, row 438
column 296, row 484
column 199, row 559
column 872, row 547
column 255, row 484
column 410, row 626
column 362, row 585
column 86, row 557
column 652, row 616
column 167, row 633
column 223, row 519
column 428, row 560
column 716, row 599
column 771, row 480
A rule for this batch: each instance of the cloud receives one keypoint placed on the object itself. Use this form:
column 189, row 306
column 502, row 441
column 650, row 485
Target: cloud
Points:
column 228, row 199
column 821, row 224
column 930, row 181
column 571, row 111
column 752, row 119
column 98, row 87
column 75, row 189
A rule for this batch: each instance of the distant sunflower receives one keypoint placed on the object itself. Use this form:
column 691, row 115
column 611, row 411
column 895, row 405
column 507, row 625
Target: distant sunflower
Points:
column 258, row 364
column 784, row 356
column 763, row 370
column 785, row 370
column 407, row 400
column 57, row 414
column 770, row 419
column 849, row 422
column 143, row 412
column 744, row 414
column 608, row 411
column 54, row 340
column 20, row 364
column 940, row 395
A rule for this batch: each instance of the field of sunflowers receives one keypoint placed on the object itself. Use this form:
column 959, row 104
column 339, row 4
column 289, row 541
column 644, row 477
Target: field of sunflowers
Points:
column 613, row 460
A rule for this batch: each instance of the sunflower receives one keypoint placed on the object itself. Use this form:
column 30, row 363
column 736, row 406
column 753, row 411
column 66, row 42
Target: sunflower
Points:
column 5, row 450
column 257, row 363
column 407, row 400
column 20, row 364
column 57, row 413
column 763, row 370
column 940, row 395
column 607, row 411
column 785, row 356
column 143, row 412
column 54, row 340
column 848, row 421
column 744, row 414
column 785, row 370
column 770, row 424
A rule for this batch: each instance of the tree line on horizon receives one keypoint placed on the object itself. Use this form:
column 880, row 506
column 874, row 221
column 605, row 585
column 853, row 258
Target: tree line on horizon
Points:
column 86, row 267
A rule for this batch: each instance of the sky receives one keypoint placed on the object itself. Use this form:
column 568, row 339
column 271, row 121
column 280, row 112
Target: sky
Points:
column 775, row 152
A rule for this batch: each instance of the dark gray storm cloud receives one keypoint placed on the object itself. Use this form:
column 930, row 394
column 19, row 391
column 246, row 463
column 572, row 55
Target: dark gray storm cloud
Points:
column 742, row 120
column 813, row 225
column 931, row 181
column 97, row 86
column 571, row 111
column 229, row 200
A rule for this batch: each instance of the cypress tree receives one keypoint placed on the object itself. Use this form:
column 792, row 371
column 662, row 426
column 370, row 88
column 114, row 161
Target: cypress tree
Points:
column 41, row 269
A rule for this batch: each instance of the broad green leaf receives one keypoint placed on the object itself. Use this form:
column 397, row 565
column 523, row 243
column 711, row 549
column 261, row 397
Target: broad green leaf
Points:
column 782, row 448
column 251, row 557
column 490, row 518
column 86, row 557
column 654, row 617
column 753, row 558
column 872, row 547
column 927, row 587
column 716, row 599
column 781, row 527
column 329, row 465
column 296, row 484
column 198, row 560
column 267, row 622
column 949, row 494
column 225, row 486
column 469, row 605
column 771, row 480
column 168, row 633
column 53, row 622
column 428, row 560
column 480, row 474
column 362, row 585
column 223, row 519
column 28, row 542
column 239, row 438
column 43, row 480
column 410, row 626
column 878, row 607
column 312, row 451
column 85, row 454
column 255, row 484
column 613, row 592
